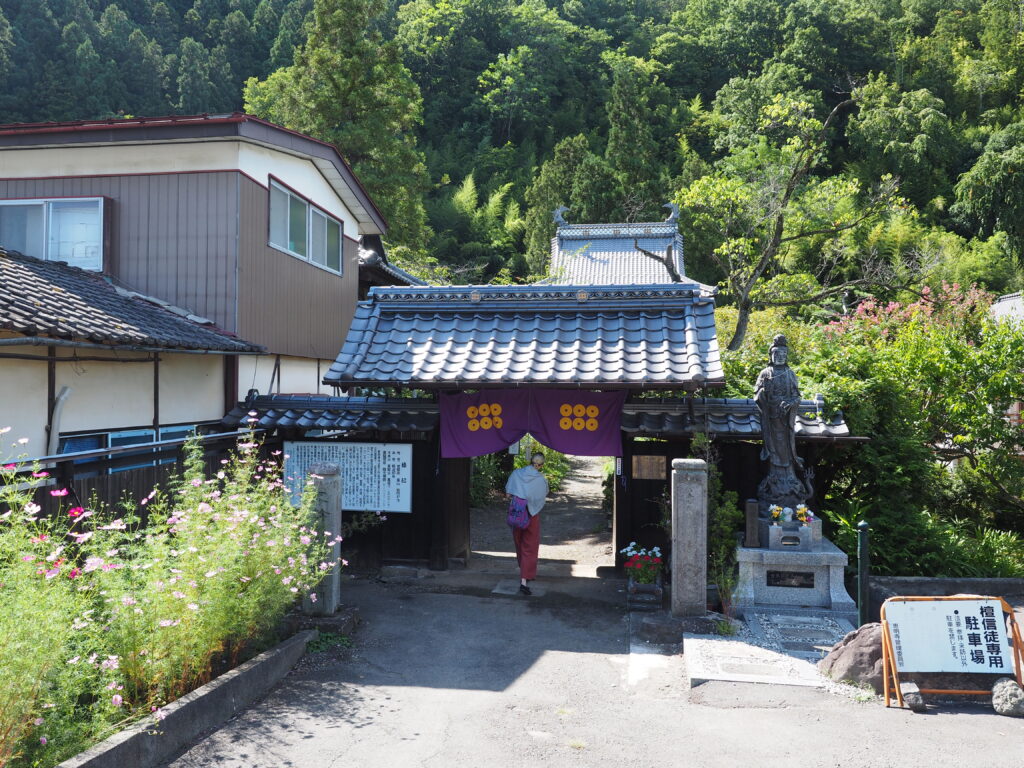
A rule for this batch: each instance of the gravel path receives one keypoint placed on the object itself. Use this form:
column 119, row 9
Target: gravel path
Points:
column 575, row 535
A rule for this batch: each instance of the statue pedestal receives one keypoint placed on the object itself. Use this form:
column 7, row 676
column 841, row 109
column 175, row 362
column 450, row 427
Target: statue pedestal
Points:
column 798, row 570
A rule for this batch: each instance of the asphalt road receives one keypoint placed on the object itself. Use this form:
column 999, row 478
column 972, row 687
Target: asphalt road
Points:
column 445, row 673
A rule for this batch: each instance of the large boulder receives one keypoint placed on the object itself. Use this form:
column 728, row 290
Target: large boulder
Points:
column 1008, row 697
column 857, row 658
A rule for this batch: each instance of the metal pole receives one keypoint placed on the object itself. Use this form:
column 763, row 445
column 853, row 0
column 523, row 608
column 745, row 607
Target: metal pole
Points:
column 863, row 570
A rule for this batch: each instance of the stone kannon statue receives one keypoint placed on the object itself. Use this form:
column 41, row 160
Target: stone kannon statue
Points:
column 777, row 395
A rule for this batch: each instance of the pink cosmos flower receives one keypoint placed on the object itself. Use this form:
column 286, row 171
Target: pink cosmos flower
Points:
column 52, row 572
column 40, row 474
column 37, row 721
column 10, row 467
column 42, row 740
column 74, row 573
column 116, row 700
column 59, row 492
column 75, row 512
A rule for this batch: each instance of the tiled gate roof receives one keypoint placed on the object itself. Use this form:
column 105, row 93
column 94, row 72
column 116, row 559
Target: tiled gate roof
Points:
column 676, row 417
column 591, row 337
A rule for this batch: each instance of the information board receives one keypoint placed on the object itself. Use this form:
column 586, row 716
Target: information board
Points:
column 375, row 477
column 961, row 635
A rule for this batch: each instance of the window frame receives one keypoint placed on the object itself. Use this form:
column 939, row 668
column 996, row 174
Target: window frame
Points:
column 312, row 210
column 46, row 203
column 106, row 438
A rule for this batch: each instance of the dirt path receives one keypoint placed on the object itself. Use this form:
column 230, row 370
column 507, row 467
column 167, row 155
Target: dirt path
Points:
column 575, row 539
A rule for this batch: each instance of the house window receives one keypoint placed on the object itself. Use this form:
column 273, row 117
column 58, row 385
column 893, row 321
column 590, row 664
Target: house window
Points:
column 304, row 230
column 68, row 230
column 140, row 437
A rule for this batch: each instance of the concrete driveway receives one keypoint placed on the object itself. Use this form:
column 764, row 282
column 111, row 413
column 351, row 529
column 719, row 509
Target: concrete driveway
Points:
column 444, row 672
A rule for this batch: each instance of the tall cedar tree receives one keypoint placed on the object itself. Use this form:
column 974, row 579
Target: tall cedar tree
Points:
column 349, row 87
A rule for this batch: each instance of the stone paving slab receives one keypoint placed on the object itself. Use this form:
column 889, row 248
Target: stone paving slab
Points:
column 713, row 657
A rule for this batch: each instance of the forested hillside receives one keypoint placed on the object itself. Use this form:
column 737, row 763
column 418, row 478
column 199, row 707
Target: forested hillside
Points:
column 472, row 119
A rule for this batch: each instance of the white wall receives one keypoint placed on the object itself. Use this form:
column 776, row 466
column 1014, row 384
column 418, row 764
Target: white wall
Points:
column 23, row 403
column 105, row 395
column 191, row 388
column 299, row 375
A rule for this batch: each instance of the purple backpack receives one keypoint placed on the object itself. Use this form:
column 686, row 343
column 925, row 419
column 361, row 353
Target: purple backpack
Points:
column 518, row 513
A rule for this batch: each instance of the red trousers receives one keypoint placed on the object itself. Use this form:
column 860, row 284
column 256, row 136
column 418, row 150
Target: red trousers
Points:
column 527, row 546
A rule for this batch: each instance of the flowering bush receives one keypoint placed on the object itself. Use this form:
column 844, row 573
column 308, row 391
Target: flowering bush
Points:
column 104, row 621
column 643, row 565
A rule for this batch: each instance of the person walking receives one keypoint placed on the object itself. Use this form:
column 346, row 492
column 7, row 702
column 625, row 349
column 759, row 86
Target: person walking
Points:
column 528, row 487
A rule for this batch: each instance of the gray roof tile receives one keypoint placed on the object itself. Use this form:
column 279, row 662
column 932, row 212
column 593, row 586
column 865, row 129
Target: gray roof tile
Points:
column 727, row 418
column 606, row 254
column 54, row 300
column 466, row 336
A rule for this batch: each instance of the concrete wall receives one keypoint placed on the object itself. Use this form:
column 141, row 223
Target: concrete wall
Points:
column 299, row 375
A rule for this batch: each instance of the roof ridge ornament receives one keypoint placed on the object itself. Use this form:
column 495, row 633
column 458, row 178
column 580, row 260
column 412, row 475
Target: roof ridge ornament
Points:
column 673, row 216
column 557, row 216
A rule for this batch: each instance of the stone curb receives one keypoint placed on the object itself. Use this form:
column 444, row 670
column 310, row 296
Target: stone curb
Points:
column 148, row 744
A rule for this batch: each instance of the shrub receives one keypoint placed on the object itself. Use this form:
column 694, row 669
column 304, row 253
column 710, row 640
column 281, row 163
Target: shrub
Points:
column 105, row 621
column 556, row 465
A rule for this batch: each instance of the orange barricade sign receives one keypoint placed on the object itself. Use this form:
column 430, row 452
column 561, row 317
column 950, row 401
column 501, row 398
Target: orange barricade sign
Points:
column 966, row 634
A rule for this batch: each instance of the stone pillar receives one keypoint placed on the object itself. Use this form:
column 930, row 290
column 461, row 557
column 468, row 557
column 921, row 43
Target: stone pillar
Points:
column 327, row 480
column 689, row 537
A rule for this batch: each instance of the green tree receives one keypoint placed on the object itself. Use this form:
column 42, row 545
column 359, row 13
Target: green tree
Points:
column 990, row 196
column 195, row 88
column 907, row 135
column 349, row 87
column 6, row 46
column 566, row 179
column 290, row 33
column 763, row 201
column 632, row 152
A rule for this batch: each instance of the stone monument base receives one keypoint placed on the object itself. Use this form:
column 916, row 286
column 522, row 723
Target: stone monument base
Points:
column 803, row 572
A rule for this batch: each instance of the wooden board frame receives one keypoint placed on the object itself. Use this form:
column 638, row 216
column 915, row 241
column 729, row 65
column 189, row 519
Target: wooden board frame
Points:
column 891, row 675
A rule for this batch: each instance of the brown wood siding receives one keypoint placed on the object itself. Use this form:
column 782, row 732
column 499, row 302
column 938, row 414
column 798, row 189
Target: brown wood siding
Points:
column 173, row 236
column 288, row 305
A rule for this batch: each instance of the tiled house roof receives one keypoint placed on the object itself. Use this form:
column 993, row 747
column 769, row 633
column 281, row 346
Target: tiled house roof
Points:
column 656, row 337
column 674, row 417
column 53, row 300
column 390, row 274
column 607, row 254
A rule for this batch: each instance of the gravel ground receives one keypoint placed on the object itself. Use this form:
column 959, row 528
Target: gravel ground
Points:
column 575, row 534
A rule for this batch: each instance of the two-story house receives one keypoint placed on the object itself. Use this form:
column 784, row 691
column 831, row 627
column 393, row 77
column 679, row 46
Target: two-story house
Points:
column 230, row 218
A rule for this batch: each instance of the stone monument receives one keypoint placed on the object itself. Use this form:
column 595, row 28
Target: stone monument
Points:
column 792, row 566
